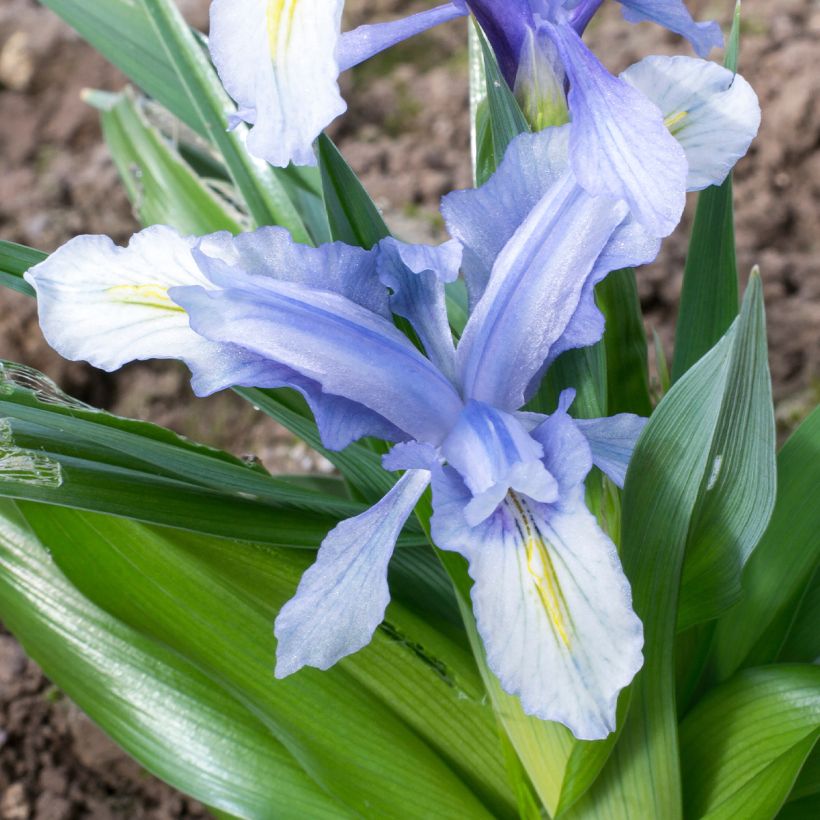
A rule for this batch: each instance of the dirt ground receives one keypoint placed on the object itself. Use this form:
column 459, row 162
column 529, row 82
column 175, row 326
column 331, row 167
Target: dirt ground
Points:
column 407, row 135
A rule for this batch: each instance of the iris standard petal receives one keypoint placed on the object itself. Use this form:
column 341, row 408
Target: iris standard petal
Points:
column 323, row 336
column 619, row 145
column 364, row 42
column 612, row 441
column 415, row 275
column 277, row 59
column 493, row 453
column 552, row 605
column 342, row 598
column 673, row 15
column 712, row 112
column 505, row 22
column 484, row 219
column 534, row 292
column 108, row 305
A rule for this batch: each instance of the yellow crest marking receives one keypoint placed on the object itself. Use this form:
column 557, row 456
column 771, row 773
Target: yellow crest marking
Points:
column 542, row 571
column 675, row 119
column 279, row 15
column 148, row 295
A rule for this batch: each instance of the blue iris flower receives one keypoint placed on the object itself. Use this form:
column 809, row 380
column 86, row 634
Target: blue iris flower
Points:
column 551, row 601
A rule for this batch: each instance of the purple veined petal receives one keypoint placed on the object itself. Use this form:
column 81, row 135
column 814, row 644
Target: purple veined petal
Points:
column 494, row 454
column 342, row 598
column 552, row 604
column 534, row 291
column 713, row 113
column 270, row 253
column 416, row 275
column 278, row 61
column 612, row 441
column 619, row 145
column 583, row 12
column 346, row 349
column 505, row 22
column 673, row 15
column 366, row 41
column 484, row 219
column 412, row 455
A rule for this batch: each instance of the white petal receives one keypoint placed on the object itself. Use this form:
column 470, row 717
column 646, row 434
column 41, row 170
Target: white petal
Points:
column 552, row 605
column 713, row 113
column 108, row 305
column 341, row 599
column 277, row 59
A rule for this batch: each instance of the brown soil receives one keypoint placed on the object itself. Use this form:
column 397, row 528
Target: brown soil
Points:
column 406, row 133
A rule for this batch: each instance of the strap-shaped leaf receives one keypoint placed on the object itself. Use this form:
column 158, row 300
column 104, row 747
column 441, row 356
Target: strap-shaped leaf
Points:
column 672, row 466
column 710, row 296
column 743, row 746
column 780, row 569
column 407, row 711
column 15, row 260
column 168, row 715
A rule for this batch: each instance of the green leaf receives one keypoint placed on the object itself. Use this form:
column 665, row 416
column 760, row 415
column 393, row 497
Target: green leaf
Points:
column 672, row 464
column 709, row 299
column 154, row 703
column 407, row 710
column 54, row 449
column 806, row 809
column 781, row 567
column 802, row 643
column 743, row 746
column 737, row 493
column 808, row 781
column 161, row 185
column 352, row 215
column 627, row 366
column 15, row 260
column 505, row 116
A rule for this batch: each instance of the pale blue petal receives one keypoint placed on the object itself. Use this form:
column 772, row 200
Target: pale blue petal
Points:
column 534, row 292
column 493, row 453
column 612, row 441
column 619, row 145
column 342, row 598
column 505, row 22
column 329, row 339
column 270, row 253
column 673, row 15
column 567, row 453
column 713, row 113
column 552, row 604
column 416, row 274
column 485, row 219
column 411, row 455
column 278, row 61
column 364, row 42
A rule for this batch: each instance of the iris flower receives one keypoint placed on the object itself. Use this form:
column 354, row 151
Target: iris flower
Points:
column 280, row 60
column 550, row 599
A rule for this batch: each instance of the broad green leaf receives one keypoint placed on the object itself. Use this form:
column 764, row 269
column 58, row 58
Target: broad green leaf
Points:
column 399, row 729
column 58, row 450
column 352, row 215
column 744, row 744
column 802, row 643
column 806, row 809
column 782, row 565
column 15, row 260
column 808, row 781
column 627, row 367
column 160, row 184
column 709, row 299
column 673, row 461
column 737, row 492
column 154, row 703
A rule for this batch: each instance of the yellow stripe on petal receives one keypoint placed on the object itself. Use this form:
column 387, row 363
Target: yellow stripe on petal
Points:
column 542, row 571
column 674, row 120
column 280, row 15
column 148, row 295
